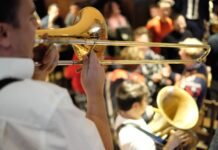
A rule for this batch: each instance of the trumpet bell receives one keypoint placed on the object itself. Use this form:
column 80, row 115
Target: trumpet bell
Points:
column 89, row 24
column 176, row 108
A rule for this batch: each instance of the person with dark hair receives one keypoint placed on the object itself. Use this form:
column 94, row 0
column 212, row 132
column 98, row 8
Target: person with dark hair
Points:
column 117, row 23
column 39, row 115
column 114, row 17
column 118, row 28
column 196, row 13
column 133, row 132
column 130, row 72
column 154, row 10
column 52, row 19
column 71, row 15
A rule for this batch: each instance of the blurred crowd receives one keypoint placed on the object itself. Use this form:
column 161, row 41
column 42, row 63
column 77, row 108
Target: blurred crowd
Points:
column 169, row 21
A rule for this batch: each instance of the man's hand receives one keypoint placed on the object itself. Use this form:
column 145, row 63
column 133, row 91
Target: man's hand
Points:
column 92, row 79
column 92, row 76
column 48, row 58
column 156, row 77
column 178, row 138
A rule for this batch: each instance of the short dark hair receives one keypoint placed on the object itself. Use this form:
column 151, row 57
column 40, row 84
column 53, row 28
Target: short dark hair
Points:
column 8, row 12
column 108, row 8
column 176, row 16
column 129, row 92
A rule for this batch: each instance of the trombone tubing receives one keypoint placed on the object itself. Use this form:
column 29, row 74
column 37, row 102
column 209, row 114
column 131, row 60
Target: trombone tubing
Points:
column 95, row 42
column 116, row 43
column 128, row 62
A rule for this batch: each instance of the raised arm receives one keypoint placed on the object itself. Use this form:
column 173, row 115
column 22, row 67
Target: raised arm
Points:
column 93, row 78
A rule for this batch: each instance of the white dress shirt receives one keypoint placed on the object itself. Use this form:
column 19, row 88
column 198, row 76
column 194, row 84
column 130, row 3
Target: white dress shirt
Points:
column 36, row 115
column 131, row 138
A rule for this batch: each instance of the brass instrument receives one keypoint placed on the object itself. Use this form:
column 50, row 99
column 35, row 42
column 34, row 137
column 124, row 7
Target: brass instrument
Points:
column 89, row 32
column 176, row 109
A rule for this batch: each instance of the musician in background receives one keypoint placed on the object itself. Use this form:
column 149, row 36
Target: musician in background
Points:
column 132, row 98
column 194, row 76
column 39, row 115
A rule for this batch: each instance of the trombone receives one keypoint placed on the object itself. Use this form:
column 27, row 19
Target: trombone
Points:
column 89, row 32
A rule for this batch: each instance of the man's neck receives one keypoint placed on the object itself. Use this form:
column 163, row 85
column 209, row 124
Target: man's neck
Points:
column 130, row 115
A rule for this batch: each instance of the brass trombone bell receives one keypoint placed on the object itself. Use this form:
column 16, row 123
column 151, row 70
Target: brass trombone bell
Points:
column 89, row 32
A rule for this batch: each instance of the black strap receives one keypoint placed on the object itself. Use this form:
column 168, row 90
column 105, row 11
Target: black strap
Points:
column 7, row 81
column 157, row 140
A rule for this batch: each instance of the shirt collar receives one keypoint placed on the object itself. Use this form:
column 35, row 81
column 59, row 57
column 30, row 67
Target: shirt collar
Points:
column 194, row 67
column 21, row 68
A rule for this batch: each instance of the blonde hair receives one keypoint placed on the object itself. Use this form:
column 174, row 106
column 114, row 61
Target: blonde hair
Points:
column 165, row 3
column 193, row 52
column 142, row 31
column 132, row 53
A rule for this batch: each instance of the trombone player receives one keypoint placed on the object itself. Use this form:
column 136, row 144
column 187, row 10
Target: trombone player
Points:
column 35, row 114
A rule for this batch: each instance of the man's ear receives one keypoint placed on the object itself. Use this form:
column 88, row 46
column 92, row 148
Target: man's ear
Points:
column 135, row 105
column 4, row 35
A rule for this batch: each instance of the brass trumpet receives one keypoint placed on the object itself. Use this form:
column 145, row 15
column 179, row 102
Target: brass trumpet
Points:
column 176, row 109
column 89, row 32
